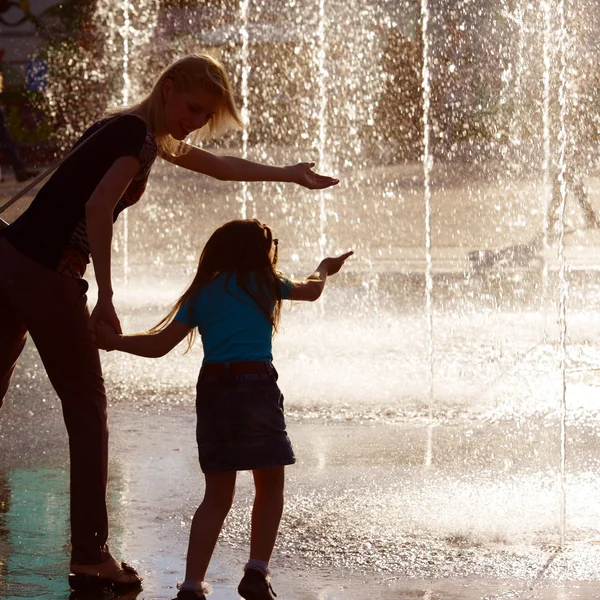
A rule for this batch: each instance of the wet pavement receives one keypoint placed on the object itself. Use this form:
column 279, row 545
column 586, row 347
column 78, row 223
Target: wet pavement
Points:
column 358, row 520
column 365, row 517
column 401, row 490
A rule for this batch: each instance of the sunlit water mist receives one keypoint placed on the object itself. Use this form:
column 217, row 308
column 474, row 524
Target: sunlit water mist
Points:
column 547, row 162
column 322, row 119
column 563, row 285
column 427, row 170
column 244, row 7
column 449, row 168
column 128, row 28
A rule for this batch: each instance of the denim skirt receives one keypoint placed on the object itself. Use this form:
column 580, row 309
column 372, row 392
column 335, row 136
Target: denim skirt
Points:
column 241, row 425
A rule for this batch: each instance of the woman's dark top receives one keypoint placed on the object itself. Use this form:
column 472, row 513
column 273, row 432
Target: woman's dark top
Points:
column 53, row 229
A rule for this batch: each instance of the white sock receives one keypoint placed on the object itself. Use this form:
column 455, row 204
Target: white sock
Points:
column 195, row 586
column 259, row 565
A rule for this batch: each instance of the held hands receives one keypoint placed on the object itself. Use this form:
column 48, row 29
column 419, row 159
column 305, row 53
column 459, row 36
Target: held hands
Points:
column 332, row 265
column 104, row 324
column 104, row 311
column 303, row 175
column 106, row 337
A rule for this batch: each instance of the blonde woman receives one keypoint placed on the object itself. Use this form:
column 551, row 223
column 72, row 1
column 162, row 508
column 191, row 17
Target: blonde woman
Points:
column 44, row 254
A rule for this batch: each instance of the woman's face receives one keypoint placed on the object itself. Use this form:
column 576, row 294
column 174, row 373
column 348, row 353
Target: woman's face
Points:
column 186, row 112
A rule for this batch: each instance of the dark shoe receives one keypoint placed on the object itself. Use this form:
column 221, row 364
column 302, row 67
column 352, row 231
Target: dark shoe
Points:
column 190, row 595
column 84, row 583
column 254, row 586
column 26, row 175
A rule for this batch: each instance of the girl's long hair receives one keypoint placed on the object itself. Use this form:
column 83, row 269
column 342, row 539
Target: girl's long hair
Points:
column 188, row 74
column 240, row 248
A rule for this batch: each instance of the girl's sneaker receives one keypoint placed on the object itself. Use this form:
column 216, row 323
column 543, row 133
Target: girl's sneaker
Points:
column 194, row 594
column 254, row 586
column 190, row 595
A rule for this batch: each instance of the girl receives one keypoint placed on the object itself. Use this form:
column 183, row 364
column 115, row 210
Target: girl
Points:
column 44, row 253
column 234, row 301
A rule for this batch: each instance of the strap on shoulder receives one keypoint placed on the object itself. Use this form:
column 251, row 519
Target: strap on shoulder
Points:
column 45, row 174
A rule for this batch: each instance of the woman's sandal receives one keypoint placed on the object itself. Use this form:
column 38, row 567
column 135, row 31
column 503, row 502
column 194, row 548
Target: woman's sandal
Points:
column 79, row 582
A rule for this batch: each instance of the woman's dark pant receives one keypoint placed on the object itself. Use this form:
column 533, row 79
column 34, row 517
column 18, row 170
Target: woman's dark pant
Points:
column 53, row 309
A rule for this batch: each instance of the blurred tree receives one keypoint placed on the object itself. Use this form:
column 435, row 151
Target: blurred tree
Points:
column 77, row 83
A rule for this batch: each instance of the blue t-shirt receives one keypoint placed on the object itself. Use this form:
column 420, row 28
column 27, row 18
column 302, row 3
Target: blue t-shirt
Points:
column 232, row 325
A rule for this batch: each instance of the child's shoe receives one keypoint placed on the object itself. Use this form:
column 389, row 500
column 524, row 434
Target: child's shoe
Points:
column 190, row 595
column 254, row 586
column 193, row 594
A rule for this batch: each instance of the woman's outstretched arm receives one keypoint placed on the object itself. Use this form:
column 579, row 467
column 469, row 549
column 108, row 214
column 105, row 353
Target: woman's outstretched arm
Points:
column 232, row 168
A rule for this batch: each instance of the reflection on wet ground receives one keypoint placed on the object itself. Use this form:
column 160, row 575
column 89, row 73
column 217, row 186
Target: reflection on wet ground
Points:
column 34, row 526
column 482, row 522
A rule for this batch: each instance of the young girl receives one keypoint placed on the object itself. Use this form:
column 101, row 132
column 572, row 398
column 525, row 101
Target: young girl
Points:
column 234, row 301
column 44, row 254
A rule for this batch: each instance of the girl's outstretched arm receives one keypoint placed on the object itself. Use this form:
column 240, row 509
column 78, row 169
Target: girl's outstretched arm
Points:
column 151, row 345
column 312, row 288
column 232, row 168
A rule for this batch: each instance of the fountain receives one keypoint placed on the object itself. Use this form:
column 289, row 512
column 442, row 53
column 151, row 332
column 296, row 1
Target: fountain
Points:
column 427, row 170
column 245, row 113
column 461, row 132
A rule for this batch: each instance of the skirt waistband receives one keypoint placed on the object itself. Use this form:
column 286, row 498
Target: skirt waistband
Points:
column 227, row 369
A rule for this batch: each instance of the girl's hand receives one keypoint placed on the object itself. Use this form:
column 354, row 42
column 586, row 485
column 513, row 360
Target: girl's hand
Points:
column 105, row 336
column 303, row 175
column 333, row 265
column 105, row 311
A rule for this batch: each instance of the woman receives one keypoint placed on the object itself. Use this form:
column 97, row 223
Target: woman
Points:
column 44, row 253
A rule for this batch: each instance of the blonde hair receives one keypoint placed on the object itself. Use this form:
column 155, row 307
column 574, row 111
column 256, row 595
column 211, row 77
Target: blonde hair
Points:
column 188, row 74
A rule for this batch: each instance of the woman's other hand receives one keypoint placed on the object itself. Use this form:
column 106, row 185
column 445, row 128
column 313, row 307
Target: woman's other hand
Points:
column 303, row 175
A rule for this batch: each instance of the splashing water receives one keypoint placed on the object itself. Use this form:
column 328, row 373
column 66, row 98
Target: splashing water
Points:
column 427, row 170
column 244, row 7
column 128, row 28
column 449, row 128
column 546, row 166
column 563, row 285
column 322, row 121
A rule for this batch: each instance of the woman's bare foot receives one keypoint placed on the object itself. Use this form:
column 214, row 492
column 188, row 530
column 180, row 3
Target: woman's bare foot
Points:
column 109, row 571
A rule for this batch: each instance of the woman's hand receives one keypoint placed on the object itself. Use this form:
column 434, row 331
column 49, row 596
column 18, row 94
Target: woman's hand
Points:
column 104, row 311
column 333, row 265
column 105, row 336
column 303, row 175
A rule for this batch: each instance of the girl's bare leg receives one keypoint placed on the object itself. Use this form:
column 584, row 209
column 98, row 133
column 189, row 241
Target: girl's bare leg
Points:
column 266, row 512
column 208, row 521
